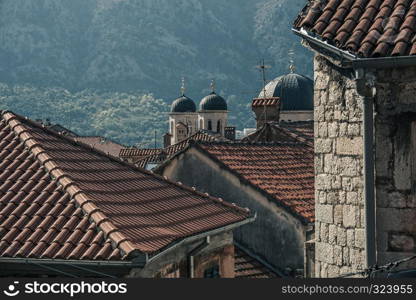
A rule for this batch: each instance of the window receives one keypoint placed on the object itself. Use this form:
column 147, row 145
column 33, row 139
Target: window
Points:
column 201, row 124
column 209, row 125
column 219, row 126
column 212, row 272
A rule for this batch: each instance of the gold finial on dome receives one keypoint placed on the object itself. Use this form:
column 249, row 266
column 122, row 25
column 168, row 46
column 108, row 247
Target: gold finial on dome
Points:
column 183, row 87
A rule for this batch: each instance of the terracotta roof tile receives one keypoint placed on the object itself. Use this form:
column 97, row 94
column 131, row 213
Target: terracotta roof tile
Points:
column 295, row 132
column 61, row 199
column 102, row 144
column 283, row 170
column 366, row 28
column 141, row 157
column 247, row 266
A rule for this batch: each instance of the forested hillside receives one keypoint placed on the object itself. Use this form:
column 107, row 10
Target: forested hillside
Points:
column 112, row 67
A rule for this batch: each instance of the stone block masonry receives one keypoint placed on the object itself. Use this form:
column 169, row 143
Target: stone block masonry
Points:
column 395, row 153
column 340, row 215
column 340, row 238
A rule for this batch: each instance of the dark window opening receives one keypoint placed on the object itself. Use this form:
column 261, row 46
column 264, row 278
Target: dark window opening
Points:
column 209, row 125
column 219, row 126
column 213, row 272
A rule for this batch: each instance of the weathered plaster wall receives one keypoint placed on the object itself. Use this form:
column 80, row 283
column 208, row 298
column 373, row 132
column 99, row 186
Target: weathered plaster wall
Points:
column 339, row 228
column 220, row 249
column 395, row 155
column 275, row 236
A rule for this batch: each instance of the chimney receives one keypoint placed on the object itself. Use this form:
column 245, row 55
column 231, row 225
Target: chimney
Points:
column 229, row 133
column 266, row 110
column 167, row 138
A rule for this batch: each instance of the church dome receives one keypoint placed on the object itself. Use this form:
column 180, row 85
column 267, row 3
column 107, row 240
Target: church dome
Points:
column 183, row 105
column 295, row 91
column 213, row 102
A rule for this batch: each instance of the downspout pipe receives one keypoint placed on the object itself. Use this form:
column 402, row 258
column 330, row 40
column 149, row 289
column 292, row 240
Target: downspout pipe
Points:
column 366, row 88
column 195, row 252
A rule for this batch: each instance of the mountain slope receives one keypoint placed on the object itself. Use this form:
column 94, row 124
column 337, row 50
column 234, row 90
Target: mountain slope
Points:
column 145, row 46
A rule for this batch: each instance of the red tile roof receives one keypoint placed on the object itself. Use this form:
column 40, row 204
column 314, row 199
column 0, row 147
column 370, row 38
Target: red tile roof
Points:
column 366, row 28
column 136, row 153
column 246, row 266
column 100, row 143
column 61, row 199
column 142, row 157
column 283, row 131
column 284, row 171
column 265, row 102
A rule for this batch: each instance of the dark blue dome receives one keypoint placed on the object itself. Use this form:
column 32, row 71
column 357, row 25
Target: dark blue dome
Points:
column 295, row 91
column 183, row 104
column 213, row 102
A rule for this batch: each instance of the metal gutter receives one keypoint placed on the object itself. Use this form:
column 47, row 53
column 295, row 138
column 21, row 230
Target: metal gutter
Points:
column 71, row 267
column 384, row 62
column 369, row 203
column 201, row 236
column 340, row 53
column 366, row 87
column 354, row 61
column 86, row 263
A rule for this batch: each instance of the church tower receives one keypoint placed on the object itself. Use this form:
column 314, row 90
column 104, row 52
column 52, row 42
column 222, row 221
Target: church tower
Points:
column 183, row 119
column 213, row 113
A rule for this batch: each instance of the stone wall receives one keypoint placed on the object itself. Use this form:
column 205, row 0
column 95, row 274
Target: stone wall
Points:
column 339, row 228
column 340, row 235
column 395, row 140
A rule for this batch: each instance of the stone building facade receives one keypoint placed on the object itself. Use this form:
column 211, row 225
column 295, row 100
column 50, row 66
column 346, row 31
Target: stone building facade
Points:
column 339, row 228
column 365, row 112
column 395, row 164
column 340, row 215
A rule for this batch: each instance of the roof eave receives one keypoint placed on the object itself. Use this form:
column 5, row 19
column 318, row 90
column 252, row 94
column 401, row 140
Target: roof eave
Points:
column 340, row 54
column 74, row 268
column 203, row 235
column 349, row 60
